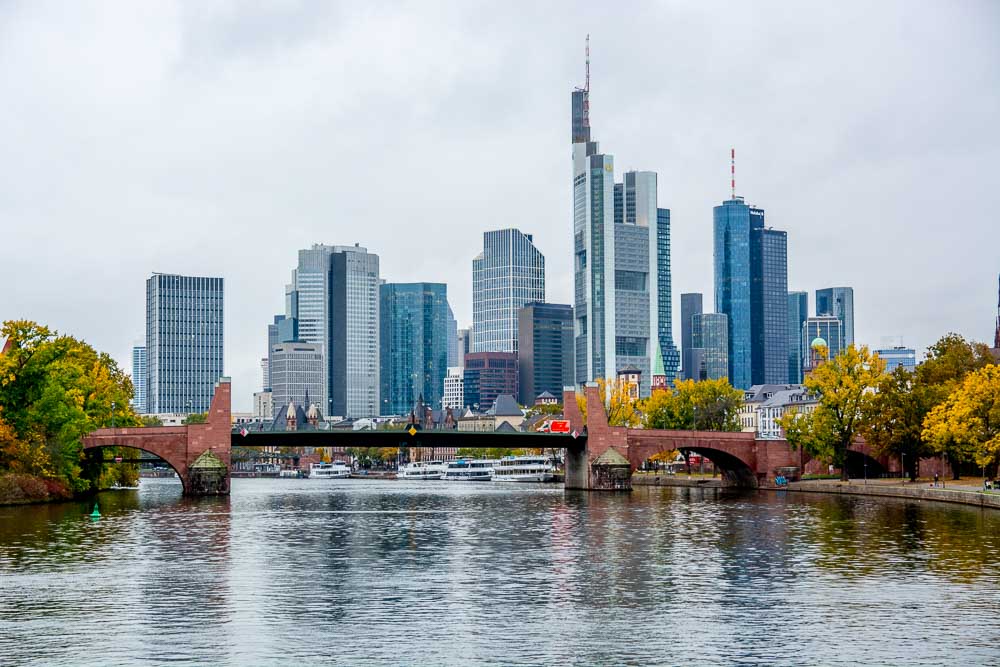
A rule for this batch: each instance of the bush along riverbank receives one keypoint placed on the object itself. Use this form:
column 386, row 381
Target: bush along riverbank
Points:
column 20, row 489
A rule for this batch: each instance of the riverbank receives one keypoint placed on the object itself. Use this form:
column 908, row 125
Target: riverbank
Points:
column 18, row 489
column 958, row 493
column 676, row 480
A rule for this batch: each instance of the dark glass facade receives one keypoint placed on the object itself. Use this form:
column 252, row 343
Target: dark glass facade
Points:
column 768, row 302
column 798, row 311
column 838, row 302
column 731, row 235
column 545, row 355
column 691, row 305
column 709, row 333
column 665, row 310
column 487, row 375
column 414, row 340
column 184, row 329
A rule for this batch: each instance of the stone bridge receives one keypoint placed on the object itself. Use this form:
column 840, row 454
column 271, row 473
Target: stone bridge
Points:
column 600, row 457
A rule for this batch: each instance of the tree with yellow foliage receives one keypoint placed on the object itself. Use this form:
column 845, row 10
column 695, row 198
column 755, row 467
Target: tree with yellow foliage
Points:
column 966, row 426
column 621, row 408
column 845, row 385
column 707, row 405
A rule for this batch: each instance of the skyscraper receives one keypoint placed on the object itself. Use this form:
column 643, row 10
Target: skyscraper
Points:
column 691, row 305
column 829, row 330
column 508, row 273
column 139, row 378
column 487, row 375
column 334, row 299
column 545, row 357
column 621, row 251
column 184, row 330
column 414, row 344
column 768, row 303
column 838, row 302
column 798, row 311
column 898, row 356
column 464, row 345
column 709, row 334
column 297, row 375
column 732, row 283
column 452, row 338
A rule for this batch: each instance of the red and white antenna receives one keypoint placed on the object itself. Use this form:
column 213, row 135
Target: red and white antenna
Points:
column 732, row 171
column 586, row 83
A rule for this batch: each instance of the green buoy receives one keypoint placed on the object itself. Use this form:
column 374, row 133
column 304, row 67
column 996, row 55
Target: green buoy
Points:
column 96, row 514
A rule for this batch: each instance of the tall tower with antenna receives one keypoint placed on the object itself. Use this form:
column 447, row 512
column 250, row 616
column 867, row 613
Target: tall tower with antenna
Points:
column 996, row 336
column 581, row 105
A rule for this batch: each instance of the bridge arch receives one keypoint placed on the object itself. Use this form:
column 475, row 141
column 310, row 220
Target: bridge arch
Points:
column 732, row 461
column 178, row 467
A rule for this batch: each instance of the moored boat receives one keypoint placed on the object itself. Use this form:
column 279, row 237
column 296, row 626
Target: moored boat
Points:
column 422, row 470
column 469, row 470
column 524, row 469
column 335, row 470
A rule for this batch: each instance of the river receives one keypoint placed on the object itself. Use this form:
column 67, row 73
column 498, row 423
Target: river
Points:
column 379, row 572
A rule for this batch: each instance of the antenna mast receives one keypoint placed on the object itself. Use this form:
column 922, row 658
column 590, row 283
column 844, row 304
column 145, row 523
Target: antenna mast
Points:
column 732, row 170
column 586, row 85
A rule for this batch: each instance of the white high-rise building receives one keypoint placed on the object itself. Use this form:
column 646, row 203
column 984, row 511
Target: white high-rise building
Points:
column 454, row 388
column 506, row 275
column 139, row 378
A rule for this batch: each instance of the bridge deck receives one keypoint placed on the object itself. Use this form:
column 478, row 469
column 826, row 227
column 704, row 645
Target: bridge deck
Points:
column 430, row 438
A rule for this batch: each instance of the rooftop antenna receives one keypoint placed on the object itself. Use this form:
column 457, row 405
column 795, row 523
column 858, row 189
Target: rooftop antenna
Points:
column 732, row 170
column 586, row 84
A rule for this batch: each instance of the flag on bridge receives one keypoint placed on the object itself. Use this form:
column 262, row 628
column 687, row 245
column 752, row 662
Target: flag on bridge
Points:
column 244, row 431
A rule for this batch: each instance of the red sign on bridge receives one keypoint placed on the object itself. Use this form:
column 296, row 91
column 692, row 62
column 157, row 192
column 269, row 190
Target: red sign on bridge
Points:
column 559, row 426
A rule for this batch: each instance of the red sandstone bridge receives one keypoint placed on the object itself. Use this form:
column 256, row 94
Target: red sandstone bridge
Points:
column 602, row 457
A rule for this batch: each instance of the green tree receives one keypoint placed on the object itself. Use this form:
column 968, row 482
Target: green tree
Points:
column 894, row 416
column 54, row 389
column 708, row 405
column 844, row 385
column 196, row 418
column 967, row 423
column 150, row 420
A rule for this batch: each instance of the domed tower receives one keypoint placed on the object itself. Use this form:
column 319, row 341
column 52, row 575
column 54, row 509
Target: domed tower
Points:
column 819, row 352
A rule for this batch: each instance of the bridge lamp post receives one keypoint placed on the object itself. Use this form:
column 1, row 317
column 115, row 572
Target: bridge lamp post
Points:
column 112, row 414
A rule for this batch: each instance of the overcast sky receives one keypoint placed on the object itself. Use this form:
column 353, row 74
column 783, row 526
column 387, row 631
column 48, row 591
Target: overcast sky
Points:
column 219, row 138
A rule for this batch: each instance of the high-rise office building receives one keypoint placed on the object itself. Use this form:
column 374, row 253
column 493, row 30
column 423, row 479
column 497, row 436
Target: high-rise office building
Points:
column 691, row 305
column 139, row 378
column 545, row 357
column 265, row 373
column 838, row 302
column 798, row 311
column 454, row 388
column 414, row 344
column 452, row 338
column 768, row 303
column 284, row 329
column 464, row 345
column 898, row 356
column 826, row 328
column 709, row 338
column 184, row 330
column 621, row 259
column 487, row 375
column 508, row 273
column 334, row 298
column 751, row 288
column 297, row 375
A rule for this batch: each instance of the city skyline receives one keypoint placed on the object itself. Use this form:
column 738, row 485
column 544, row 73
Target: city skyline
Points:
column 213, row 183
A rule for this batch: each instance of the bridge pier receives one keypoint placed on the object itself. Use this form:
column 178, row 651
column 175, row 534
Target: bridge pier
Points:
column 199, row 453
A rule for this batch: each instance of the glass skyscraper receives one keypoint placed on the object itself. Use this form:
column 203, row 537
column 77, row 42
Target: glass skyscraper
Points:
column 184, row 330
column 798, row 311
column 732, row 284
column 691, row 305
column 709, row 337
column 898, row 356
column 545, row 357
column 139, row 378
column 838, row 302
column 414, row 344
column 751, row 287
column 508, row 273
column 621, row 264
column 334, row 300
column 829, row 329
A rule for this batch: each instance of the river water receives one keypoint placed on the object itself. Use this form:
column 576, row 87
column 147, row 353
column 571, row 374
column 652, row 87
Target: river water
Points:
column 379, row 572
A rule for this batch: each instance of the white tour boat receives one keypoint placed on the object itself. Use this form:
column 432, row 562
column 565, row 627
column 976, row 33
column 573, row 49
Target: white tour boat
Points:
column 523, row 469
column 422, row 470
column 335, row 470
column 469, row 470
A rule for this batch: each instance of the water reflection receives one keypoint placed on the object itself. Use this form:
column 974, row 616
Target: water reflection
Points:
column 358, row 572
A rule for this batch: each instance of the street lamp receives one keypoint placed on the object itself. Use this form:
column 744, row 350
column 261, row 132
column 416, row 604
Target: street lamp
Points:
column 112, row 414
column 902, row 464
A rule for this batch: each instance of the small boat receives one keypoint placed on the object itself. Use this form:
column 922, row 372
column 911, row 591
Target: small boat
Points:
column 469, row 470
column 524, row 469
column 335, row 470
column 422, row 470
column 288, row 472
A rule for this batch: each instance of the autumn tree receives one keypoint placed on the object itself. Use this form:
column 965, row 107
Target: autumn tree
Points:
column 967, row 424
column 622, row 410
column 894, row 416
column 708, row 405
column 196, row 418
column 844, row 386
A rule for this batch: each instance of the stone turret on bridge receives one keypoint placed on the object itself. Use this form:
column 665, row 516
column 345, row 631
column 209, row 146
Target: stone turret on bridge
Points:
column 199, row 453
